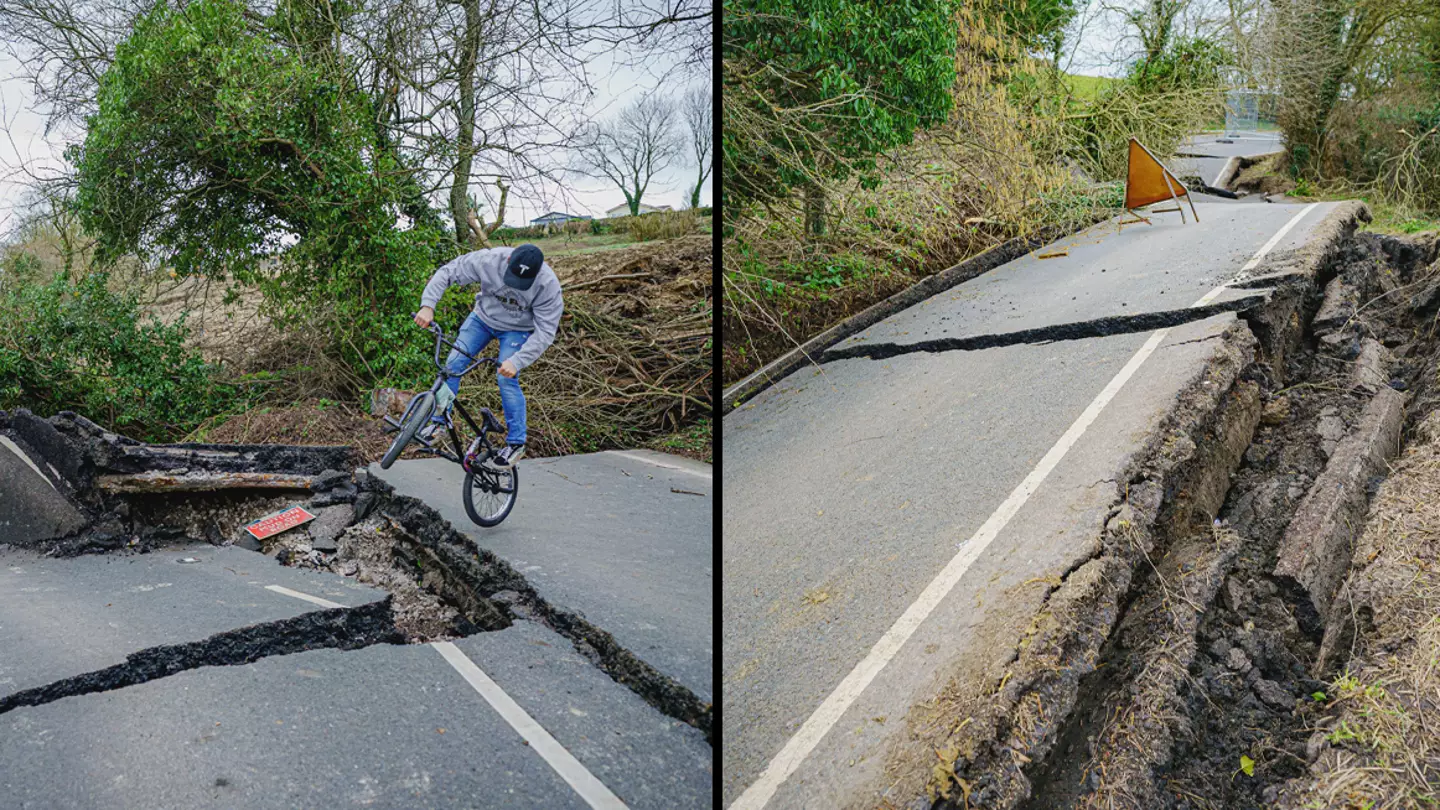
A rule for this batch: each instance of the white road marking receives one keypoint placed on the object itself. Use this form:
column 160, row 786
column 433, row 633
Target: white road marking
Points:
column 798, row 747
column 1223, row 170
column 307, row 597
column 658, row 464
column 1275, row 240
column 14, row 448
column 585, row 784
column 592, row 790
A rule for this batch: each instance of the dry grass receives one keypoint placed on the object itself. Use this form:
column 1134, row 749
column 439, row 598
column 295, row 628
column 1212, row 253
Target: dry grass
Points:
column 1383, row 744
column 1020, row 153
column 630, row 367
column 663, row 225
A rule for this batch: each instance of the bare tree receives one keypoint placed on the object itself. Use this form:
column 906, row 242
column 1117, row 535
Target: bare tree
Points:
column 698, row 109
column 480, row 101
column 63, row 47
column 653, row 30
column 640, row 143
column 481, row 97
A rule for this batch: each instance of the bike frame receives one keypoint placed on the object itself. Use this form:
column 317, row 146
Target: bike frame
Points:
column 487, row 418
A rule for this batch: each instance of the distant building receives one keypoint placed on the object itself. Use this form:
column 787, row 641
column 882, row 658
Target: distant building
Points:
column 555, row 218
column 623, row 210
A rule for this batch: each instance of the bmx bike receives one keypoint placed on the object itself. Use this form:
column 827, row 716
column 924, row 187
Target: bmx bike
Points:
column 489, row 492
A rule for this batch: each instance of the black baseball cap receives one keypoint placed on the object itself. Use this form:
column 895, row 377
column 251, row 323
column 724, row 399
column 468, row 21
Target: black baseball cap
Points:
column 524, row 266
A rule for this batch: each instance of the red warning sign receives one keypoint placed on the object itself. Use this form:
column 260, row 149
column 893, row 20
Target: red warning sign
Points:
column 279, row 522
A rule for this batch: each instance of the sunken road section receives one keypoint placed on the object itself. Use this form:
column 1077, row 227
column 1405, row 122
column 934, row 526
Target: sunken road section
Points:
column 1185, row 664
column 69, row 487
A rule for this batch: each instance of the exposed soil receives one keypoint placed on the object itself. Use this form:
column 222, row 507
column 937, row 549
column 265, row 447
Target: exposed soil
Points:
column 1263, row 176
column 1371, row 743
column 306, row 424
column 1208, row 690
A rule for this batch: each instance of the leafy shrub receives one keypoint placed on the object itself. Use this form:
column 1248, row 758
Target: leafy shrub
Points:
column 219, row 150
column 81, row 347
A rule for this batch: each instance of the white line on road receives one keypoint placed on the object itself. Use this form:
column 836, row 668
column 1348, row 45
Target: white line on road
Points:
column 592, row 790
column 798, row 747
column 14, row 448
column 1224, row 170
column 307, row 597
column 589, row 788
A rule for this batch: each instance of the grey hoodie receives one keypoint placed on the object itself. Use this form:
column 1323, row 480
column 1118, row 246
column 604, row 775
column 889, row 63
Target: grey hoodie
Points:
column 501, row 307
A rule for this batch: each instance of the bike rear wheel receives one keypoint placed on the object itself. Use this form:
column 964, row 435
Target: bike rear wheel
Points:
column 416, row 415
column 490, row 494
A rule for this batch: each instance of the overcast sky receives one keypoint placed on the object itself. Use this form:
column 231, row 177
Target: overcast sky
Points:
column 1099, row 42
column 25, row 148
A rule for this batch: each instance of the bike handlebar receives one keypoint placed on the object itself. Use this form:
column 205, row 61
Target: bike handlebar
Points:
column 441, row 340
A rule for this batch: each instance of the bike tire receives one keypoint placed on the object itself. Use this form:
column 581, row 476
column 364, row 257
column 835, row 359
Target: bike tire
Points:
column 416, row 415
column 495, row 519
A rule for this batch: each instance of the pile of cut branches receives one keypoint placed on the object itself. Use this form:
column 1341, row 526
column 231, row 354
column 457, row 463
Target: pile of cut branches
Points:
column 633, row 358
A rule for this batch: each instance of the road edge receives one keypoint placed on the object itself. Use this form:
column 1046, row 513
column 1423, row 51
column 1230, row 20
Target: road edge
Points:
column 1018, row 725
column 807, row 352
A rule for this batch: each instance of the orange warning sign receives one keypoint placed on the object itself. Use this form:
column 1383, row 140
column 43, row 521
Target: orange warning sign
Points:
column 279, row 522
column 1148, row 181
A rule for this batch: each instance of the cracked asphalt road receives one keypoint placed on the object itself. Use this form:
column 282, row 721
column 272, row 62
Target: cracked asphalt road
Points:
column 605, row 534
column 385, row 725
column 1207, row 154
column 850, row 487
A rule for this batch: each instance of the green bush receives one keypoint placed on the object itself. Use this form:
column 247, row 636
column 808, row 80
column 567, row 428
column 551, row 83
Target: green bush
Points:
column 81, row 347
column 600, row 226
column 219, row 149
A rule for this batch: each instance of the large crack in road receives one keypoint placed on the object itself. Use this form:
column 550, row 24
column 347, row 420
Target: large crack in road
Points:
column 1080, row 330
column 136, row 498
column 345, row 628
column 1195, row 638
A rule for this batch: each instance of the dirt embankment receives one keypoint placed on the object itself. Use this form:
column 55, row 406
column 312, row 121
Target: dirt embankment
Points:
column 1372, row 742
column 1190, row 664
column 1267, row 175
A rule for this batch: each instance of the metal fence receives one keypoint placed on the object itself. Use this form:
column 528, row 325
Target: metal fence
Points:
column 1248, row 110
column 1242, row 112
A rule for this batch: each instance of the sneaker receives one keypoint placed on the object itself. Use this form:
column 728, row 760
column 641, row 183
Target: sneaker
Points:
column 508, row 455
column 430, row 432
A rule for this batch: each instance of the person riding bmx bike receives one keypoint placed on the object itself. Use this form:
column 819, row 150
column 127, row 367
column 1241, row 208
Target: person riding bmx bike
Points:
column 519, row 305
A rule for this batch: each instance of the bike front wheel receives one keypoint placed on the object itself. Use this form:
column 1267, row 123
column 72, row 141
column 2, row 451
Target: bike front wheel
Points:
column 416, row 415
column 490, row 494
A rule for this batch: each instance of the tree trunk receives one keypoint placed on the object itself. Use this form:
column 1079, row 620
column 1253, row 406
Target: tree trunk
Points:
column 465, row 137
column 814, row 210
column 1335, row 61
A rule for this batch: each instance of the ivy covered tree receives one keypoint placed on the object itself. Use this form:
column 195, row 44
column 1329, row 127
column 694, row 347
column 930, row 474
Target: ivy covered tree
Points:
column 1039, row 24
column 234, row 146
column 815, row 89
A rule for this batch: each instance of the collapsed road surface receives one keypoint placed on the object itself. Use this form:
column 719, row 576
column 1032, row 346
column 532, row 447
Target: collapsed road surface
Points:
column 153, row 654
column 1215, row 158
column 931, row 532
column 645, row 572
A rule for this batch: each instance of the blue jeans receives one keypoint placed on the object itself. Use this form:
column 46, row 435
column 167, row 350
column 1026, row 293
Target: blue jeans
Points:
column 474, row 336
